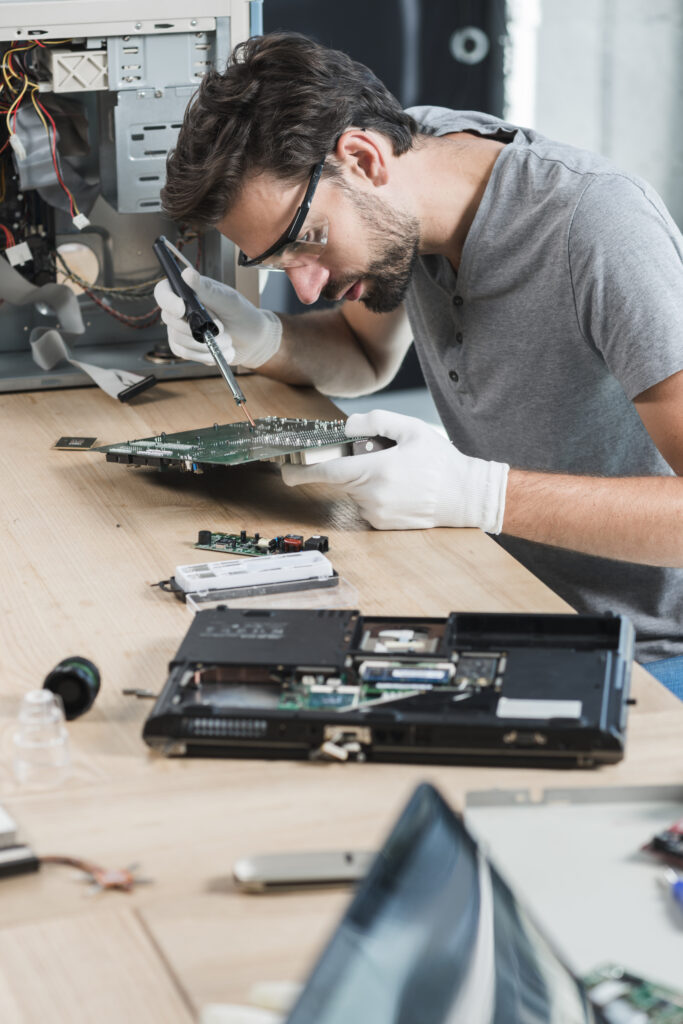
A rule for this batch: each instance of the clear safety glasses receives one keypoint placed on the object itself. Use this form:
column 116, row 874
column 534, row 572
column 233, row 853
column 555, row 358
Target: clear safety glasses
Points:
column 303, row 241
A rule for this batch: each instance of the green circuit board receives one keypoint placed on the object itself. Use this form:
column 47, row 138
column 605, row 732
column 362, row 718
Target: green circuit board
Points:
column 272, row 439
column 626, row 997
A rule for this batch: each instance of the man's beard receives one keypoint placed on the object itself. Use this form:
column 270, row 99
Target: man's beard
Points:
column 394, row 242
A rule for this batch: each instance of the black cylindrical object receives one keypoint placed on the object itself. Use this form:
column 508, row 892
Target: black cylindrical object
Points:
column 204, row 537
column 77, row 681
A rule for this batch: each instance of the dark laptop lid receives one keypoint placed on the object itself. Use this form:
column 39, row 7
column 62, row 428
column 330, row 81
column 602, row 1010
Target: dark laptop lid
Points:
column 435, row 936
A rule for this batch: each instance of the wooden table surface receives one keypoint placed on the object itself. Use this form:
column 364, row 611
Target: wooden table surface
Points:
column 82, row 542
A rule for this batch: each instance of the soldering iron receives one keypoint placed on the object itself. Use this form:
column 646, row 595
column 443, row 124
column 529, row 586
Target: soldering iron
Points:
column 203, row 327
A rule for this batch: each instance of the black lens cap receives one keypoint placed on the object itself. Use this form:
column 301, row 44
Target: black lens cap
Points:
column 77, row 681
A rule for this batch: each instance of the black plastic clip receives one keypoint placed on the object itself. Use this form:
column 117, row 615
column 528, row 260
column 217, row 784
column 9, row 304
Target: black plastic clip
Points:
column 137, row 388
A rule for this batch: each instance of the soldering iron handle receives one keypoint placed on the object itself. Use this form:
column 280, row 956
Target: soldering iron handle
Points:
column 197, row 315
column 171, row 269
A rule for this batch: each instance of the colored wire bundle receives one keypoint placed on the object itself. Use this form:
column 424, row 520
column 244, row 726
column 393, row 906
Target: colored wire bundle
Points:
column 144, row 289
column 17, row 83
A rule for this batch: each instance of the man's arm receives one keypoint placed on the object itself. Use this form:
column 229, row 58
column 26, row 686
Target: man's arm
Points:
column 424, row 481
column 344, row 351
column 347, row 351
column 632, row 519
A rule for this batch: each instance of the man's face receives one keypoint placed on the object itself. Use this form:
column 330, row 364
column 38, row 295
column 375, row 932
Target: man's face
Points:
column 371, row 249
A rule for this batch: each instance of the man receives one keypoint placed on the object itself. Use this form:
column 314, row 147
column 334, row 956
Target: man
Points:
column 543, row 288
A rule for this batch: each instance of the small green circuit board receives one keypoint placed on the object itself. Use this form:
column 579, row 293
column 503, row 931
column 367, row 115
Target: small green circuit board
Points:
column 243, row 544
column 230, row 444
column 617, row 991
column 233, row 544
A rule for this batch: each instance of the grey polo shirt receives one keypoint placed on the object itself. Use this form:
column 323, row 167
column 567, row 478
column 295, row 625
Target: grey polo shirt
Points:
column 568, row 303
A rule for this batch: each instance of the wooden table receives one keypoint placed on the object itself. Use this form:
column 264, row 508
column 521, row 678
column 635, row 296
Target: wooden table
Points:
column 82, row 543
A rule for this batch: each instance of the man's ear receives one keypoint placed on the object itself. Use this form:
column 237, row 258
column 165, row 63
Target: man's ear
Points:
column 364, row 154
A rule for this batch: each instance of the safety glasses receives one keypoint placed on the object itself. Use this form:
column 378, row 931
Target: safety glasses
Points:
column 302, row 242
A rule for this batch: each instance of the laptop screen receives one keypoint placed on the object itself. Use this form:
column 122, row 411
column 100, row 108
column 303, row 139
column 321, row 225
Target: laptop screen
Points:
column 435, row 936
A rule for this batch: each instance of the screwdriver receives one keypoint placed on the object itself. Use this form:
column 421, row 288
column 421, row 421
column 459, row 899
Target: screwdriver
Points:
column 203, row 328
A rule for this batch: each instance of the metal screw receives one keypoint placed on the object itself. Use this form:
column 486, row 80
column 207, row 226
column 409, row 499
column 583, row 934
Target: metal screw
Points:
column 158, row 93
column 193, row 22
column 138, row 24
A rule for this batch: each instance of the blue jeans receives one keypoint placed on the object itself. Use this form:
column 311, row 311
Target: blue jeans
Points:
column 669, row 671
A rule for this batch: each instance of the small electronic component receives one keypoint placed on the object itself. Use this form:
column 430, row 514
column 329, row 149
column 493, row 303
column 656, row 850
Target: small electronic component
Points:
column 101, row 878
column 668, row 845
column 402, row 639
column 74, row 444
column 628, row 999
column 479, row 670
column 397, row 675
column 243, row 544
column 317, row 543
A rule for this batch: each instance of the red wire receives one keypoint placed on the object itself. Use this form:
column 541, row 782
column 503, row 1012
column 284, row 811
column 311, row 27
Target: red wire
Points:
column 130, row 321
column 54, row 155
column 8, row 235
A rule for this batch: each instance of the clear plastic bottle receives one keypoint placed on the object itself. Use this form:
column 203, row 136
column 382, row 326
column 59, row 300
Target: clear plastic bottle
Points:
column 41, row 755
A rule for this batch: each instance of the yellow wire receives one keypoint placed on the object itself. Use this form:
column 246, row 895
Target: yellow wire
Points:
column 3, row 183
column 7, row 81
column 14, row 106
column 39, row 111
column 20, row 49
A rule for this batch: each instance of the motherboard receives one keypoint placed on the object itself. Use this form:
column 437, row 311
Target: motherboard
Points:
column 272, row 438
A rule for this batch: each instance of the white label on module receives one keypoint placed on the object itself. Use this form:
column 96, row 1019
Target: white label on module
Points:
column 513, row 707
column 233, row 572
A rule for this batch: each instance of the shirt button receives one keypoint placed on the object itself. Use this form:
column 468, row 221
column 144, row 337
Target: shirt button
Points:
column 459, row 337
column 457, row 300
column 454, row 376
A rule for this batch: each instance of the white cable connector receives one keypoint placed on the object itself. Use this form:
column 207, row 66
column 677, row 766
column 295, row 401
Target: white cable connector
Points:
column 18, row 146
column 19, row 254
column 80, row 221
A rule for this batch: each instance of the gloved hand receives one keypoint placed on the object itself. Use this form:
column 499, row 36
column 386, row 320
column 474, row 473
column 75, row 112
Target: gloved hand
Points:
column 423, row 481
column 249, row 336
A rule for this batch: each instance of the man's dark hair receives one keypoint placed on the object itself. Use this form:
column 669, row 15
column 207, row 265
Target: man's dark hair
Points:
column 280, row 106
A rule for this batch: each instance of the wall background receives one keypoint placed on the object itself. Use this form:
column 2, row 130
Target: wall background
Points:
column 606, row 75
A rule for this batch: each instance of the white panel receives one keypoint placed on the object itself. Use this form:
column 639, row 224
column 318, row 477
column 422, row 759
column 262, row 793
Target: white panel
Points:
column 74, row 71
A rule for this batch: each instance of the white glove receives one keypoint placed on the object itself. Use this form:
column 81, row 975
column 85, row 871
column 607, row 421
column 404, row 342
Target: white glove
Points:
column 423, row 481
column 254, row 334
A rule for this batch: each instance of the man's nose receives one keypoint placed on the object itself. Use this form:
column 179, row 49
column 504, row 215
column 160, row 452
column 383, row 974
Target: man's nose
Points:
column 308, row 281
